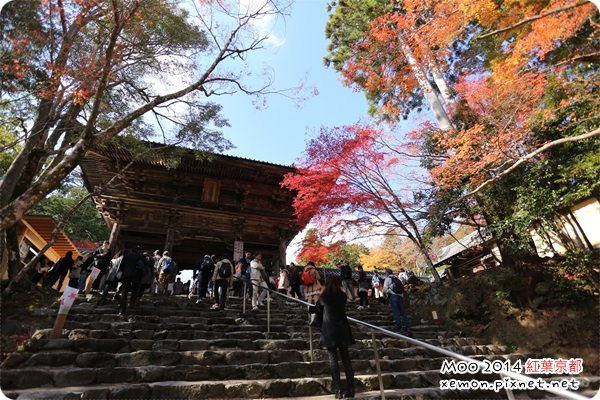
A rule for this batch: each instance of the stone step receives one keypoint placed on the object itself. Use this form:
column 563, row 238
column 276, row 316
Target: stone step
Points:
column 125, row 346
column 255, row 388
column 125, row 324
column 229, row 317
column 156, row 342
column 99, row 368
column 362, row 337
column 171, row 347
column 186, row 308
column 434, row 392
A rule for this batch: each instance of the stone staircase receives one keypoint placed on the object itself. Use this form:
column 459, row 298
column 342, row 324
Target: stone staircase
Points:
column 172, row 348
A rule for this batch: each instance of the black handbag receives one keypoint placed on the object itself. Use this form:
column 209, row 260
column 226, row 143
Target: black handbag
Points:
column 315, row 316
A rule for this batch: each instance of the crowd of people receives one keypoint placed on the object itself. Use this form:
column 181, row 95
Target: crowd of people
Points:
column 132, row 272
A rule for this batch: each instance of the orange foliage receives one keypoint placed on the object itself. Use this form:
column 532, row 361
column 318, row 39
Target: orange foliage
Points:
column 502, row 98
column 313, row 249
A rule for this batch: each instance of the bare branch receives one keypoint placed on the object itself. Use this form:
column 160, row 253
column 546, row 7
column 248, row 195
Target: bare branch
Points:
column 69, row 214
column 533, row 18
column 586, row 56
column 528, row 157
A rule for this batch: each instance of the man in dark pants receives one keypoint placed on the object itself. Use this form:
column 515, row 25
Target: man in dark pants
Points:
column 245, row 261
column 206, row 271
column 131, row 267
column 393, row 288
column 60, row 270
column 222, row 277
column 295, row 281
column 347, row 282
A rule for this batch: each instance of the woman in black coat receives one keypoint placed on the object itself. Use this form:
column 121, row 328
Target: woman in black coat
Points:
column 336, row 334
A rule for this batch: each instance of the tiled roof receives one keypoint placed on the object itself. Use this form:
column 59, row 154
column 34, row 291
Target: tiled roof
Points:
column 44, row 225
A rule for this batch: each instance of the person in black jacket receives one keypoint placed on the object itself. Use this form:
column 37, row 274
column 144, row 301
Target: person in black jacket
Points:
column 207, row 267
column 147, row 274
column 363, row 288
column 102, row 257
column 347, row 282
column 336, row 334
column 131, row 267
column 60, row 270
column 295, row 281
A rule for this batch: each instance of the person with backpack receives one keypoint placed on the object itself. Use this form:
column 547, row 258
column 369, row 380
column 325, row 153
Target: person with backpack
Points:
column 363, row 288
column 147, row 274
column 347, row 282
column 206, row 272
column 130, row 274
column 221, row 279
column 166, row 268
column 259, row 282
column 112, row 281
column 295, row 281
column 312, row 283
column 245, row 269
column 394, row 289
column 336, row 335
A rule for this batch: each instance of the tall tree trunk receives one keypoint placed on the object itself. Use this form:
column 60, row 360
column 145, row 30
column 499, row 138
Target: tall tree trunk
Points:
column 440, row 82
column 430, row 265
column 435, row 104
column 12, row 249
column 19, row 165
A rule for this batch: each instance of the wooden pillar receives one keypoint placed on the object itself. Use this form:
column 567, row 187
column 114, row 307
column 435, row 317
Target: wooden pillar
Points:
column 114, row 235
column 169, row 240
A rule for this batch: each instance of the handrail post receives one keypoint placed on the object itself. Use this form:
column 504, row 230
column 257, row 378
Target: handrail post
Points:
column 377, row 365
column 310, row 340
column 244, row 302
column 268, row 312
column 509, row 394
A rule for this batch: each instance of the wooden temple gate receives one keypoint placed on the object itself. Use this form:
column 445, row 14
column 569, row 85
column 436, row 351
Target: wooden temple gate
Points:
column 201, row 206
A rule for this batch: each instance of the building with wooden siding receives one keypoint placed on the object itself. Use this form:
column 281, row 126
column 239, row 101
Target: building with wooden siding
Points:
column 200, row 206
column 33, row 233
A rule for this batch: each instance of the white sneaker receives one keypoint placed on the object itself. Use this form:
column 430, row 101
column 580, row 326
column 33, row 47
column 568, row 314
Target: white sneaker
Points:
column 360, row 308
column 254, row 308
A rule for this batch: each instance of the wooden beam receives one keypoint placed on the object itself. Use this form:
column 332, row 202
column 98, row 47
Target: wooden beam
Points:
column 114, row 235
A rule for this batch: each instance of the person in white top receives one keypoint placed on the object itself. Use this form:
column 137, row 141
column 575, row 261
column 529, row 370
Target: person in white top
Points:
column 376, row 283
column 257, row 278
column 402, row 275
column 283, row 286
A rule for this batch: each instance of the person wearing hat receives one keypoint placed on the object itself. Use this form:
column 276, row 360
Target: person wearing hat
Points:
column 393, row 288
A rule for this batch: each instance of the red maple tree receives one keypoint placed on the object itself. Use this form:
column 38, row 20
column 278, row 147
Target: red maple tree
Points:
column 353, row 179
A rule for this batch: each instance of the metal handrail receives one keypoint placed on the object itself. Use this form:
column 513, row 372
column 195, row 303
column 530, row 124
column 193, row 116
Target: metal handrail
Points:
column 523, row 378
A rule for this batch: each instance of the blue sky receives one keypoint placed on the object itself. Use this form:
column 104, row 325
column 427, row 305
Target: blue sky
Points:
column 278, row 132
